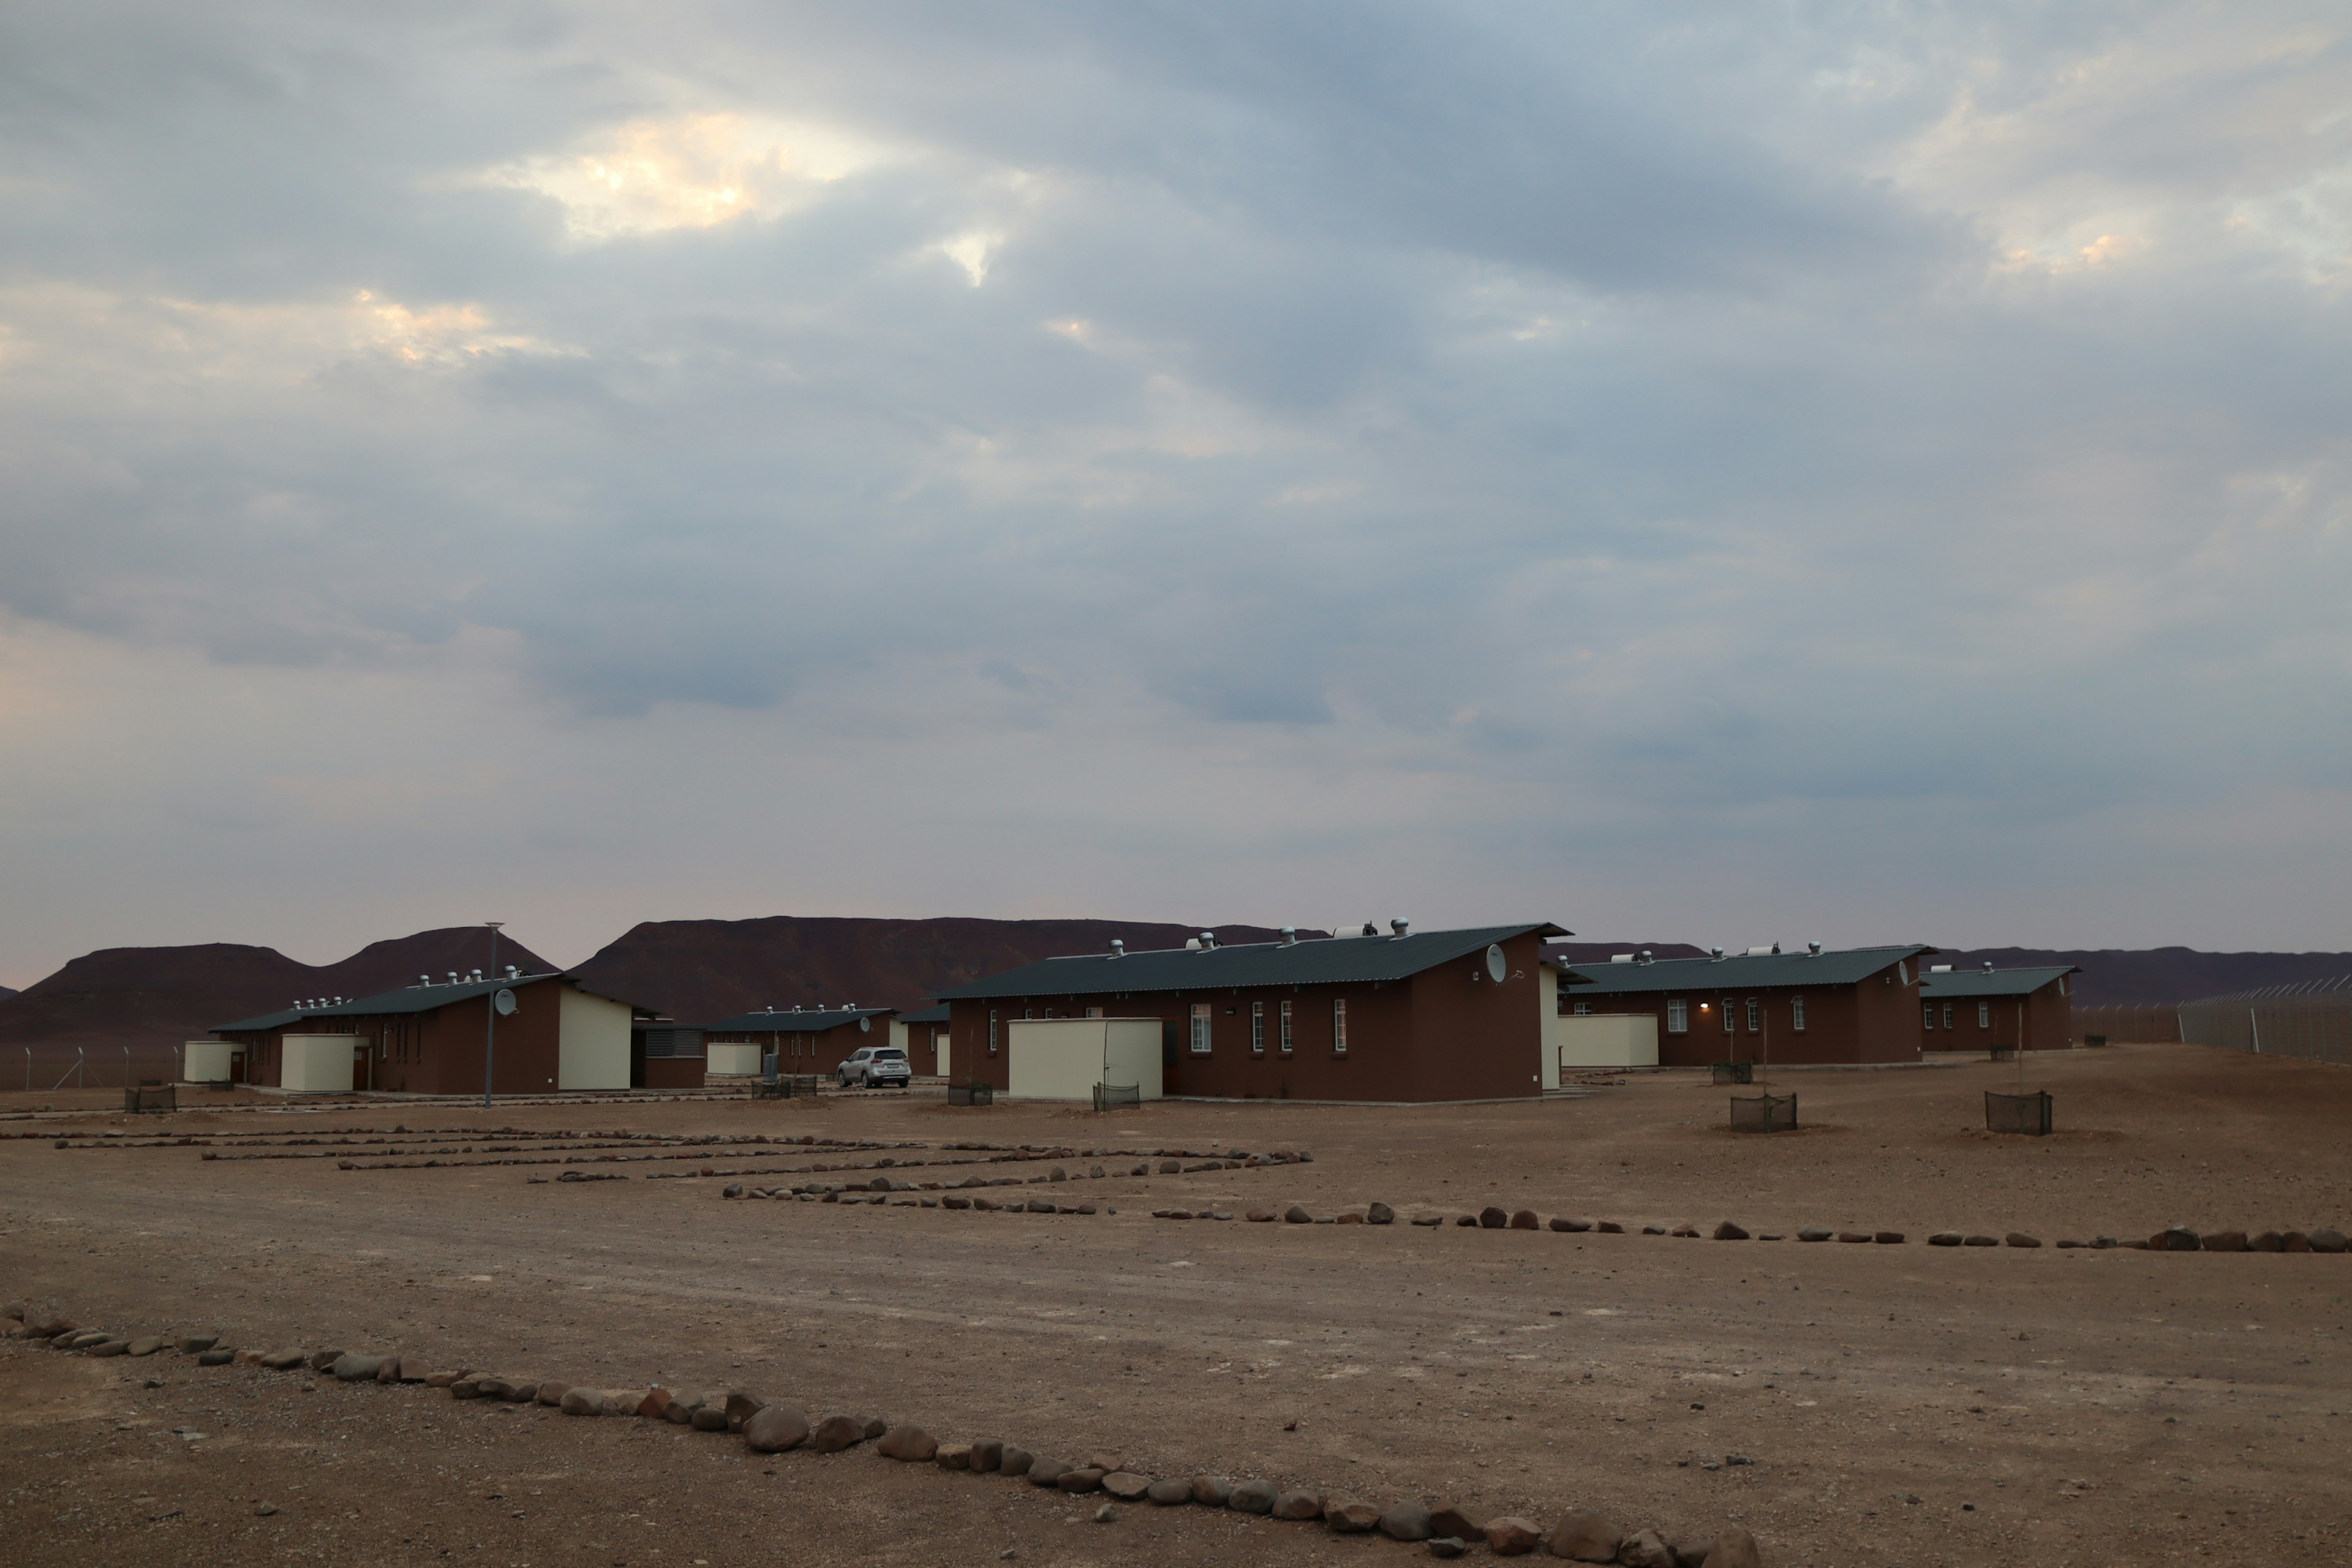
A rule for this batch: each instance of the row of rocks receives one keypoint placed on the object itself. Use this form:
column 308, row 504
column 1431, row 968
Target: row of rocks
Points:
column 2175, row 1238
column 927, row 1197
column 1579, row 1535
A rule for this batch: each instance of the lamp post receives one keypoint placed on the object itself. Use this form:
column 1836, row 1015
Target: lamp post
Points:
column 490, row 1016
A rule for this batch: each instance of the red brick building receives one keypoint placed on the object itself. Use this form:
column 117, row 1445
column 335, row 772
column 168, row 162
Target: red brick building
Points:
column 814, row 1040
column 1997, row 1009
column 1854, row 1005
column 430, row 1038
column 1402, row 1016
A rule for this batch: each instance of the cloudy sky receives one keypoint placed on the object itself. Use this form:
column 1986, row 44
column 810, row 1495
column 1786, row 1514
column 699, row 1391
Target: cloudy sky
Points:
column 1722, row 473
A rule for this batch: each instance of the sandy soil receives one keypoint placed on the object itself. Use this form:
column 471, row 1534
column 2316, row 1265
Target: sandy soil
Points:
column 2079, row 1408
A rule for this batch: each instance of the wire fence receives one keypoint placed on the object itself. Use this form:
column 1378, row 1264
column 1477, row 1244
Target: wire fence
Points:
column 2311, row 1019
column 2137, row 1023
column 51, row 1067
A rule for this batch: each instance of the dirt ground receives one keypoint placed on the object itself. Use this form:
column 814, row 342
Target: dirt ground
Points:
column 1900, row 1404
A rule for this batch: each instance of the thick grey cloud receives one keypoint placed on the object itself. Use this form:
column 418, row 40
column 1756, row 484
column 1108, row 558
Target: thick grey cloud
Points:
column 1610, row 464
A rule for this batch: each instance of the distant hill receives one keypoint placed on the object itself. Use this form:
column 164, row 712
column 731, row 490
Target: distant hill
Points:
column 2112, row 977
column 701, row 970
column 155, row 996
column 5, row 991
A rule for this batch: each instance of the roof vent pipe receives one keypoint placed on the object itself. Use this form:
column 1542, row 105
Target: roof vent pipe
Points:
column 1208, row 940
column 424, row 980
column 453, row 977
column 1290, row 936
column 1812, row 950
column 1645, row 957
column 1402, row 927
column 1714, row 953
column 513, row 972
column 1117, row 948
column 1988, row 966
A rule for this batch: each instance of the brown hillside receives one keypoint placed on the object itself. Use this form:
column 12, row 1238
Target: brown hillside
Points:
column 700, row 971
column 155, row 996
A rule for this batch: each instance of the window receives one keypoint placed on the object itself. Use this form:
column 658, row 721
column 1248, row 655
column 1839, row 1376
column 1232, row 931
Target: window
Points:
column 1797, row 1014
column 1930, row 1010
column 1678, row 1016
column 1948, row 1015
column 1094, row 1012
column 1727, row 1024
column 1200, row 1028
column 1984, row 1015
column 1258, row 1028
column 1755, row 1015
column 1286, row 1028
column 991, row 1031
column 1583, row 1009
column 1340, row 1027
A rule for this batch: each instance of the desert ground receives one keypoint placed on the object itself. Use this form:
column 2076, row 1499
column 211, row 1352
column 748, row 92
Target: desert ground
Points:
column 1895, row 1405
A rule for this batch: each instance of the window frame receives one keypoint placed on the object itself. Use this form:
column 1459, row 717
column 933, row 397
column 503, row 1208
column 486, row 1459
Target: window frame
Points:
column 1730, row 1022
column 1203, row 1030
column 1258, row 1028
column 1678, row 1015
column 1984, row 1015
column 991, row 1031
column 1338, row 1025
column 1948, row 1015
column 1796, row 1015
column 1755, row 1015
column 1928, row 1008
column 1286, row 1042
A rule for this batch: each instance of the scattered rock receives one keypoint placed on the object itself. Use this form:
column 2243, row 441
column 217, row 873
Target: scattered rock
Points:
column 2292, row 1241
column 1429, row 1219
column 952, row 1455
column 1583, row 1536
column 1690, row 1548
column 2268, row 1241
column 390, row 1370
column 284, row 1360
column 1297, row 1214
column 2019, row 1238
column 1214, row 1491
column 1009, row 1460
column 2326, row 1240
column 875, row 1427
column 1853, row 1235
column 1046, row 1472
column 357, row 1368
column 1406, row 1520
column 580, row 1402
column 1493, row 1218
column 1980, row 1241
column 1734, row 1547
column 553, row 1393
column 1607, row 1227
column 1687, row 1231
column 1887, row 1237
column 1352, row 1517
column 1447, row 1520
column 1945, row 1238
column 1642, row 1549
column 1653, row 1230
column 1170, row 1167
column 1512, row 1537
column 622, row 1401
column 325, row 1359
column 146, row 1345
column 836, row 1433
column 1448, row 1546
column 1106, row 1514
column 2174, row 1238
column 1259, row 1216
column 987, row 1454
column 1169, row 1491
column 1349, row 1218
column 1379, row 1214
column 1561, row 1221
column 1525, row 1219
column 1299, row 1505
column 1814, row 1233
column 1079, row 1479
column 1727, row 1231
column 910, row 1444
column 216, row 1357
column 776, row 1429
column 107, row 1348
column 1127, row 1486
column 1252, row 1497
column 708, row 1418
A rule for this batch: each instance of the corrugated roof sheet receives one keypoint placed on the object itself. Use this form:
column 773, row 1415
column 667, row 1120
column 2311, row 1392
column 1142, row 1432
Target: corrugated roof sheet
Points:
column 769, row 1021
column 407, row 999
column 1844, row 967
column 1992, row 983
column 938, row 1015
column 1324, row 961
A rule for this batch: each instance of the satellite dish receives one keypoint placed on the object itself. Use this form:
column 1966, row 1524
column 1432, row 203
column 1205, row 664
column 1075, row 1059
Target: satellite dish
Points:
column 865, row 1026
column 504, row 1001
column 1495, row 967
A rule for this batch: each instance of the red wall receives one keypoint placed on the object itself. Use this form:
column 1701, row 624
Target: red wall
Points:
column 1873, row 1021
column 814, row 1050
column 2049, row 1023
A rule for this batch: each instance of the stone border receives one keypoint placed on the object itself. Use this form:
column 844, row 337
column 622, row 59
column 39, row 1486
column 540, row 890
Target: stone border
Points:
column 1580, row 1534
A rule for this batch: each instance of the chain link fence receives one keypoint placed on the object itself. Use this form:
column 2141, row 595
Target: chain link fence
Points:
column 1763, row 1113
column 51, row 1067
column 2028, row 1113
column 2119, row 1024
column 2311, row 1019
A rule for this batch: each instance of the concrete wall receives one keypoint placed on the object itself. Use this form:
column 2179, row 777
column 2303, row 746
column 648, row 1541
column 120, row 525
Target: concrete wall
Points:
column 1627, row 1040
column 205, row 1061
column 316, row 1064
column 1547, row 1008
column 1064, row 1058
column 734, row 1059
column 591, row 1047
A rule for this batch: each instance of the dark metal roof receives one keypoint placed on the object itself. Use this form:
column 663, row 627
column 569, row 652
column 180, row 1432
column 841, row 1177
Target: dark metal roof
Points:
column 1325, row 961
column 1992, row 982
column 938, row 1015
column 1847, row 966
column 769, row 1021
column 383, row 1004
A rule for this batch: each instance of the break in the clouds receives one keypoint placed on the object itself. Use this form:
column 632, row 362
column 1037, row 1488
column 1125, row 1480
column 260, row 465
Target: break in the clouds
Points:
column 1705, row 471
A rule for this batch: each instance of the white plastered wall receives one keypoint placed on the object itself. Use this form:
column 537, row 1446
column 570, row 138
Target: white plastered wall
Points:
column 591, row 1041
column 316, row 1064
column 1064, row 1058
column 1606, row 1040
column 205, row 1061
column 726, row 1058
column 1548, row 999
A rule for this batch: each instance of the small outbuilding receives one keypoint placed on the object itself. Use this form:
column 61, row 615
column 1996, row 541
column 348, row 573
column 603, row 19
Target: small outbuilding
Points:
column 803, row 1040
column 431, row 1039
column 923, row 1036
column 1997, row 1009
column 1065, row 1059
column 1852, row 1005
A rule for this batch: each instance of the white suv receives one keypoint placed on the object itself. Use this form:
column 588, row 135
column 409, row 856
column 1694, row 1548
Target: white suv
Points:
column 873, row 1067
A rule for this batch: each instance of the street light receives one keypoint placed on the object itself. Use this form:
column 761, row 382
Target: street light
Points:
column 490, row 1017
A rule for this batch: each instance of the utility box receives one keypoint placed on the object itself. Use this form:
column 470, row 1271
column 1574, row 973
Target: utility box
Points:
column 1064, row 1058
column 1607, row 1040
column 316, row 1064
column 206, row 1061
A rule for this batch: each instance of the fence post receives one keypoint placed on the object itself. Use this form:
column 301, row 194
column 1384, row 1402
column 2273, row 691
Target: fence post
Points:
column 2254, row 1026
